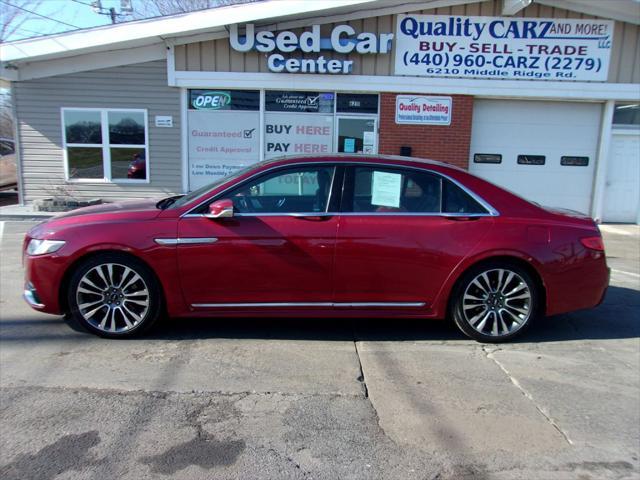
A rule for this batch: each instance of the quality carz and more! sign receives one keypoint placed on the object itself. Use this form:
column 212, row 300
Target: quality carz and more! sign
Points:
column 493, row 47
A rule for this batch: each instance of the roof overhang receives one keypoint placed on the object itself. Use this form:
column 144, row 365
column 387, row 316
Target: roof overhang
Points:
column 146, row 40
column 155, row 30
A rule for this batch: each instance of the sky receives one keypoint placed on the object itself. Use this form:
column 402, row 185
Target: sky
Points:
column 73, row 12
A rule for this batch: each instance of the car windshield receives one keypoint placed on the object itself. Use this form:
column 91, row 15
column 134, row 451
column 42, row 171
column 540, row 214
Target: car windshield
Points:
column 202, row 191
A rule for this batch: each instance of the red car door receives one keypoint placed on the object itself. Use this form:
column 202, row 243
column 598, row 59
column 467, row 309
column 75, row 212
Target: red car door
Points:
column 401, row 234
column 278, row 248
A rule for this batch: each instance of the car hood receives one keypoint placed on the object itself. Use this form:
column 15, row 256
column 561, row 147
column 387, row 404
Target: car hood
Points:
column 133, row 206
column 131, row 211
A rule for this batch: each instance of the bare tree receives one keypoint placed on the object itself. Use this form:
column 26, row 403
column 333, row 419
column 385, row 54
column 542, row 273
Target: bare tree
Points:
column 6, row 114
column 13, row 15
column 158, row 8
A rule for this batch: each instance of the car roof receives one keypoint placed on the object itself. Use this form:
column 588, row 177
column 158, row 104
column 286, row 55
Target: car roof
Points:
column 356, row 158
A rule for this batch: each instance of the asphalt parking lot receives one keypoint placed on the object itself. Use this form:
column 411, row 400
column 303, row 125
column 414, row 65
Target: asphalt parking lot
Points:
column 320, row 399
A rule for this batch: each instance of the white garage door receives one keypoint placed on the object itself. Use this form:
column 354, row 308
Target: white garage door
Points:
column 622, row 191
column 546, row 150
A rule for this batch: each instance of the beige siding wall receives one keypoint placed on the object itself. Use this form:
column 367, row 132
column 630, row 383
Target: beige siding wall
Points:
column 38, row 104
column 216, row 55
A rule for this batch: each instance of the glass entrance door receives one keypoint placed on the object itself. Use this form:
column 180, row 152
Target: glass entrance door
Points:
column 357, row 135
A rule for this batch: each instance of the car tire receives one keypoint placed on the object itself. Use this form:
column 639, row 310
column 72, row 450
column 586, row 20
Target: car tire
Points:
column 114, row 296
column 495, row 302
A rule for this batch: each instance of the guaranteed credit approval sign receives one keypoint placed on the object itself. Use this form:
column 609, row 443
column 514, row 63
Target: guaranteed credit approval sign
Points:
column 509, row 48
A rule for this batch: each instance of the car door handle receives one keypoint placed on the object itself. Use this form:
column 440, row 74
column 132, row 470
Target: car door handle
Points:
column 462, row 218
column 311, row 217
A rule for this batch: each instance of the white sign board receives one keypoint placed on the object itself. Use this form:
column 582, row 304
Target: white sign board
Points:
column 503, row 48
column 369, row 138
column 221, row 142
column 423, row 110
column 297, row 133
column 385, row 189
column 164, row 121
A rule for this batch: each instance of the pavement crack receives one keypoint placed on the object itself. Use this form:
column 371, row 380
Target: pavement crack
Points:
column 363, row 381
column 489, row 353
column 289, row 459
column 361, row 377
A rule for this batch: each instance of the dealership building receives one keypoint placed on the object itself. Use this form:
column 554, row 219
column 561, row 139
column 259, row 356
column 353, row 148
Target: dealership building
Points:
column 539, row 96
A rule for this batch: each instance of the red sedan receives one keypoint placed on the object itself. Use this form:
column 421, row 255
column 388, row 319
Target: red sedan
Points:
column 343, row 236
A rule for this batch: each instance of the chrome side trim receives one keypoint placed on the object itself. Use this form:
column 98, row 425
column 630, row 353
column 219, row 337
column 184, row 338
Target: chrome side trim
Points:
column 260, row 305
column 380, row 304
column 30, row 298
column 185, row 241
column 311, row 304
column 196, row 240
column 352, row 214
column 166, row 241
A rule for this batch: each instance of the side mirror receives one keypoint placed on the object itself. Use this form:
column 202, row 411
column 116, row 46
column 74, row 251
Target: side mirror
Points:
column 220, row 209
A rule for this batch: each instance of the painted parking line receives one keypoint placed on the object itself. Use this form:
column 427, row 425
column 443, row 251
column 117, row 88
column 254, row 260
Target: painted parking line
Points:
column 625, row 273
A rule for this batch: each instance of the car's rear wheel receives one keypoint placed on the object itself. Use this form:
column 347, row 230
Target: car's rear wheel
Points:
column 495, row 302
column 114, row 296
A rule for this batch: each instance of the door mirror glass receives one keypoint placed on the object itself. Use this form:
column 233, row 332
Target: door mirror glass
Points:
column 220, row 209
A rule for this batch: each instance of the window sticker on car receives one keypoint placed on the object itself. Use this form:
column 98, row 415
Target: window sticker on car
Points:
column 385, row 189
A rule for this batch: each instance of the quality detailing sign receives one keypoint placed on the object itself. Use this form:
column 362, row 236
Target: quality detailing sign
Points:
column 493, row 47
column 423, row 110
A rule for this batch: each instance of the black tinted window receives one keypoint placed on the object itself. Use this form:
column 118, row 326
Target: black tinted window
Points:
column 395, row 190
column 456, row 200
column 294, row 190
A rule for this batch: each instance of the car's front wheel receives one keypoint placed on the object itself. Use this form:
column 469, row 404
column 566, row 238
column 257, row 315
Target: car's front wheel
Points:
column 114, row 296
column 495, row 302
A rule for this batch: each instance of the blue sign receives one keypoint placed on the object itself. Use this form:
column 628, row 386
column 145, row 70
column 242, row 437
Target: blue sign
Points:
column 349, row 145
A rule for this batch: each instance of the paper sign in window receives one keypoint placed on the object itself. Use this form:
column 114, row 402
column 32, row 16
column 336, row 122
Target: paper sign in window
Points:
column 385, row 189
column 349, row 145
column 368, row 138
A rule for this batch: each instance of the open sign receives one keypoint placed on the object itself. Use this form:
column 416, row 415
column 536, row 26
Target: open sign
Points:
column 211, row 100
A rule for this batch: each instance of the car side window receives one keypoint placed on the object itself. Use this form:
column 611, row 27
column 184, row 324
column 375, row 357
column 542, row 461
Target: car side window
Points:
column 6, row 148
column 294, row 190
column 456, row 200
column 395, row 190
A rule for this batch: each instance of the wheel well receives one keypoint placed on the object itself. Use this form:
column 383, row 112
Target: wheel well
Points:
column 530, row 269
column 66, row 278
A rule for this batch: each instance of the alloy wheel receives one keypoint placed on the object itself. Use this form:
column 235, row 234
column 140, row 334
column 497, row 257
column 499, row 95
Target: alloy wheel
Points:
column 497, row 302
column 113, row 298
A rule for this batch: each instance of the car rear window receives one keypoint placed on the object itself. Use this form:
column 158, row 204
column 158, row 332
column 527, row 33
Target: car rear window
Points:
column 387, row 190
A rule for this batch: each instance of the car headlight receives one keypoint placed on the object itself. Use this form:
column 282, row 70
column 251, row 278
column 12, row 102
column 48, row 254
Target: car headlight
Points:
column 42, row 247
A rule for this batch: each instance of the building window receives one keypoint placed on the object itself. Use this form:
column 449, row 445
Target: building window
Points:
column 106, row 144
column 487, row 158
column 531, row 159
column 568, row 161
column 627, row 115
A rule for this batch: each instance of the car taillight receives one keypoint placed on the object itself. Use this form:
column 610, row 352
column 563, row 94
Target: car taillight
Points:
column 593, row 243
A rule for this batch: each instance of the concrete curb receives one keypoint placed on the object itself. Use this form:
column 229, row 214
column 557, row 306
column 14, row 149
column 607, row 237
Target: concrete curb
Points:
column 23, row 218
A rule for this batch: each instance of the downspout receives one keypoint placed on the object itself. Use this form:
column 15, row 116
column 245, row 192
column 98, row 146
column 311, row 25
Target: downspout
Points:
column 17, row 149
column 599, row 182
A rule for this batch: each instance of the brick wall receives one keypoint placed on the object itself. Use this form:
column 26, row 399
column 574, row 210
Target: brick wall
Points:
column 436, row 142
